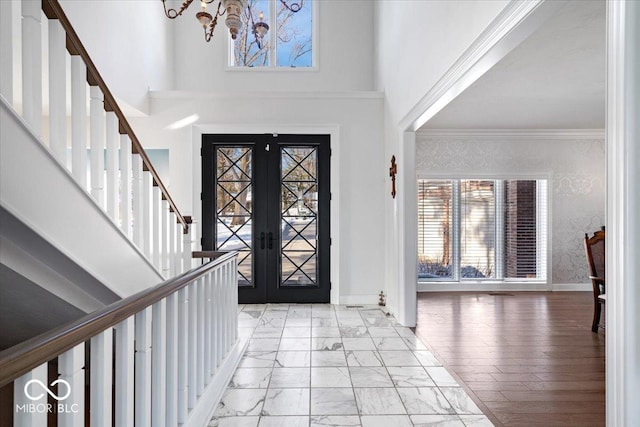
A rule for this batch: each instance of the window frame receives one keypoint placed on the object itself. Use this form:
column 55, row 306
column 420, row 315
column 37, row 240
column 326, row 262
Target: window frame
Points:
column 458, row 283
column 315, row 13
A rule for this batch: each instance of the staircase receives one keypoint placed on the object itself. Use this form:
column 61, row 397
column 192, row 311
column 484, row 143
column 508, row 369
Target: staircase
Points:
column 86, row 216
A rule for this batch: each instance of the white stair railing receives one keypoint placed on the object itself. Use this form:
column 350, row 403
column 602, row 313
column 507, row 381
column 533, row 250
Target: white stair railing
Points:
column 170, row 359
column 126, row 187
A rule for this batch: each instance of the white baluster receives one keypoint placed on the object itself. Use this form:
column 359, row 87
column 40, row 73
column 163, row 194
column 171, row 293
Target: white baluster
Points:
column 220, row 331
column 125, row 184
column 234, row 292
column 208, row 319
column 218, row 315
column 183, row 354
column 6, row 50
column 71, row 368
column 78, row 120
column 32, row 65
column 138, row 220
column 179, row 244
column 125, row 352
column 193, row 346
column 97, row 140
column 158, row 360
column 186, row 249
column 147, row 234
column 172, row 360
column 156, row 234
column 164, row 233
column 200, row 286
column 101, row 378
column 226, row 302
column 26, row 418
column 113, row 187
column 57, row 90
column 173, row 259
column 143, row 369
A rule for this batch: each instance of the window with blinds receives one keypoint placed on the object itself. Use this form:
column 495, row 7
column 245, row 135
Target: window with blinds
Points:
column 470, row 229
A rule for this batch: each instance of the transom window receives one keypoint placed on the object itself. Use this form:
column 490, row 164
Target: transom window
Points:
column 289, row 41
column 482, row 229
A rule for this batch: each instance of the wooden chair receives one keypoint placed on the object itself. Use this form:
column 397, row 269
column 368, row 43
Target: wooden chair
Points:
column 594, row 247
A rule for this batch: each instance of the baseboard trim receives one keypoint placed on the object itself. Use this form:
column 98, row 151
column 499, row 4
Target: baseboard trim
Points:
column 359, row 299
column 578, row 287
column 511, row 287
column 212, row 394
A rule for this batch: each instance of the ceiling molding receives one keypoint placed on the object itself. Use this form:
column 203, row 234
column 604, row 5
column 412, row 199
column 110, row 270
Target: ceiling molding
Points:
column 188, row 94
column 518, row 134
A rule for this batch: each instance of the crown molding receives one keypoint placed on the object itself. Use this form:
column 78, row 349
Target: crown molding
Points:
column 517, row 134
column 190, row 94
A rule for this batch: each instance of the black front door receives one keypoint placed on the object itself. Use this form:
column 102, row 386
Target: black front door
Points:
column 267, row 197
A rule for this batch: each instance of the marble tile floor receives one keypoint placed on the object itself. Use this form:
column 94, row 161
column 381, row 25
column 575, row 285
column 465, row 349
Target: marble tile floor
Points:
column 319, row 365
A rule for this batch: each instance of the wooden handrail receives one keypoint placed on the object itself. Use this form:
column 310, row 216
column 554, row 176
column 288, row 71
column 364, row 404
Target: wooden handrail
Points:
column 23, row 357
column 53, row 10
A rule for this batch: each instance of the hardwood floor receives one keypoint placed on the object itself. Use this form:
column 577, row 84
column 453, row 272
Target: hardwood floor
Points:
column 527, row 358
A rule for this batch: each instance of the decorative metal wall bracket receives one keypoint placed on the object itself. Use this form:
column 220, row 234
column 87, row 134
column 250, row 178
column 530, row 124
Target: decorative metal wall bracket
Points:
column 393, row 170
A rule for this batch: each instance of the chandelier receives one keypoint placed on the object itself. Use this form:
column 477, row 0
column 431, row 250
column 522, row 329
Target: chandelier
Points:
column 233, row 20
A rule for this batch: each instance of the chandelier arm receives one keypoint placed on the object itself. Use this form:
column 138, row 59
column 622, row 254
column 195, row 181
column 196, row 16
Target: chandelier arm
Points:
column 173, row 13
column 208, row 32
column 293, row 7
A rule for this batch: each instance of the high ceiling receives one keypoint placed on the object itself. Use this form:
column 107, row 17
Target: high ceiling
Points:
column 553, row 80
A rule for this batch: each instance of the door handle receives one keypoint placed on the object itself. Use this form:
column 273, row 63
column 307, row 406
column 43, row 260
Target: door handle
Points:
column 262, row 240
column 270, row 240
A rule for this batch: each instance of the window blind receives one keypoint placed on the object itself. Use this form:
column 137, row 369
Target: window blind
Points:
column 435, row 236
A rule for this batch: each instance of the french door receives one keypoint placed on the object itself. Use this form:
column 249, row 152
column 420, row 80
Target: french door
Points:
column 267, row 197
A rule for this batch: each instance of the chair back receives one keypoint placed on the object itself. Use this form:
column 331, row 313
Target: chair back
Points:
column 594, row 247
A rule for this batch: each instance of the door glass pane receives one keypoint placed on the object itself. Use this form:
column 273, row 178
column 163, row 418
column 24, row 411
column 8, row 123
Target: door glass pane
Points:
column 299, row 216
column 234, row 208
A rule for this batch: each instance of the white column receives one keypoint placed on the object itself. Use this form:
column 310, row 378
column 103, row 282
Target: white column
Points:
column 183, row 355
column 57, row 90
column 234, row 292
column 32, row 65
column 101, row 378
column 22, row 386
column 164, row 233
column 623, row 213
column 138, row 220
column 97, row 140
column 113, row 184
column 143, row 369
column 125, row 352
column 147, row 234
column 78, row 120
column 6, row 50
column 172, row 359
column 158, row 365
column 125, row 184
column 71, row 369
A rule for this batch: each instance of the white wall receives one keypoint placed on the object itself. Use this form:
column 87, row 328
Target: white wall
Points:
column 130, row 42
column 416, row 43
column 575, row 164
column 345, row 55
column 357, row 229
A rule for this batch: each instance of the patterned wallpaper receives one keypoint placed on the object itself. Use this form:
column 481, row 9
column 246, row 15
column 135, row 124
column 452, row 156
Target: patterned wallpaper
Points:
column 576, row 167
